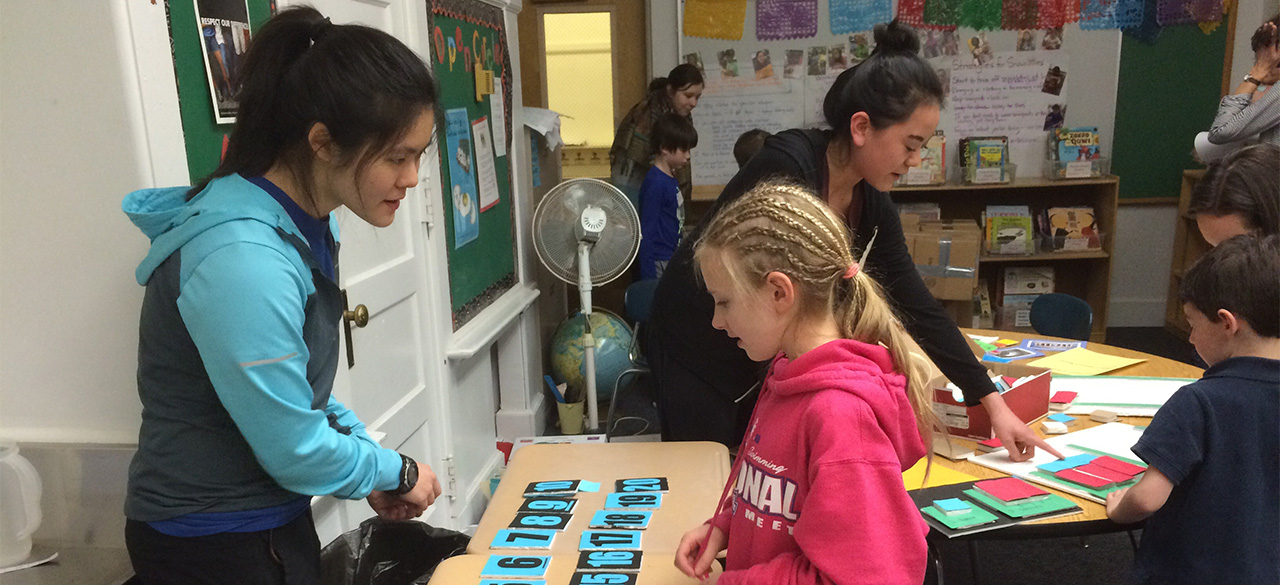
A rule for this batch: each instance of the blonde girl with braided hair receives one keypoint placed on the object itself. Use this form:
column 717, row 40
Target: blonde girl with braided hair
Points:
column 816, row 494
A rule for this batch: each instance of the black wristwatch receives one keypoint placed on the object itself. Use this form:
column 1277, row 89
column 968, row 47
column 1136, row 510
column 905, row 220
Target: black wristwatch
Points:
column 408, row 476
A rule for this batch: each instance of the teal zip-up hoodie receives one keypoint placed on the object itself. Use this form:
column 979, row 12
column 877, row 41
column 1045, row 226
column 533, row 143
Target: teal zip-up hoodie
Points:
column 238, row 347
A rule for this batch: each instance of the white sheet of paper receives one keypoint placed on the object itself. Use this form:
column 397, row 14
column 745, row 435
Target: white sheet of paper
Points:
column 498, row 113
column 1125, row 396
column 483, row 141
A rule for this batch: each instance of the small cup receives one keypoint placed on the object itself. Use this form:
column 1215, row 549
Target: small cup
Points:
column 571, row 417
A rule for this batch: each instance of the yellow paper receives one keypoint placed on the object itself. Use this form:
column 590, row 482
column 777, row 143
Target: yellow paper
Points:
column 715, row 19
column 1082, row 362
column 484, row 82
column 938, row 475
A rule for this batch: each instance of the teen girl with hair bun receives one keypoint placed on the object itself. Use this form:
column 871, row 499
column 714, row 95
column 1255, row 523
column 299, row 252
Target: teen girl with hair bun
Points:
column 881, row 113
column 238, row 339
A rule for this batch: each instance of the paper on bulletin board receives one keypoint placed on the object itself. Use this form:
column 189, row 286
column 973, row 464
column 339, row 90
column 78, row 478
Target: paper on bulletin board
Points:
column 730, row 107
column 466, row 226
column 484, row 164
column 498, row 115
column 1009, row 94
column 224, row 36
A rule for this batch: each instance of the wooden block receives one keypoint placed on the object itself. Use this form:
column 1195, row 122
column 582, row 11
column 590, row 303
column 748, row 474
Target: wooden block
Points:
column 1054, row 427
column 1102, row 416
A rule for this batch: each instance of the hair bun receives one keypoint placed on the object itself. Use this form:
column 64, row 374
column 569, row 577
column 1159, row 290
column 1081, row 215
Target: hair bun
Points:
column 895, row 37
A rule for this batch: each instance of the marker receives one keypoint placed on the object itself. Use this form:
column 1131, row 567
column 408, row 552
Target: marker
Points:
column 554, row 390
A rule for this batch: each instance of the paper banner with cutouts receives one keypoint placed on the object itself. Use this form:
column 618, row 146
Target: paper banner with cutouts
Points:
column 786, row 19
column 715, row 19
column 857, row 15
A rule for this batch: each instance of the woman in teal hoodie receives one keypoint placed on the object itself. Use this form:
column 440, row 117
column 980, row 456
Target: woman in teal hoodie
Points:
column 239, row 328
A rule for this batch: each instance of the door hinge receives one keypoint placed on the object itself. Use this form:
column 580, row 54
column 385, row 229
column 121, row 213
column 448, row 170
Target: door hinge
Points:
column 451, row 478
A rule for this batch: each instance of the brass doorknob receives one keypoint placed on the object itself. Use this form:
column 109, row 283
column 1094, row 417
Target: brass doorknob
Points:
column 360, row 316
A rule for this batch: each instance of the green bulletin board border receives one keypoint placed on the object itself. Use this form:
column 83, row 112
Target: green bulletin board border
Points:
column 202, row 135
column 482, row 270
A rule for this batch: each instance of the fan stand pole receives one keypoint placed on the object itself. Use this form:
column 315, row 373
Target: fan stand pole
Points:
column 588, row 340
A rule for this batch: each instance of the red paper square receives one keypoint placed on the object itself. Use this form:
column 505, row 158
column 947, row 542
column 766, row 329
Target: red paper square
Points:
column 1099, row 471
column 1083, row 479
column 1117, row 465
column 992, row 442
column 1062, row 397
column 1009, row 489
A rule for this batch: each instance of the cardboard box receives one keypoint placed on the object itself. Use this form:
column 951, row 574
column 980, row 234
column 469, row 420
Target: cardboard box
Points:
column 1015, row 313
column 1029, row 401
column 946, row 254
column 1028, row 280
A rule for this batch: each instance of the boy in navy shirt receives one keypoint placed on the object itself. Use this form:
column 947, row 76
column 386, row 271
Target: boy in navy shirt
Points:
column 1212, row 490
column 661, row 203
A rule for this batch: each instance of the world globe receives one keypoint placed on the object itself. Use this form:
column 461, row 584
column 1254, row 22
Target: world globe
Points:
column 613, row 344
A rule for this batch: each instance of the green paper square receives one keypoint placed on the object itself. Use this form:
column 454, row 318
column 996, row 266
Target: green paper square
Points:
column 1053, row 503
column 975, row 517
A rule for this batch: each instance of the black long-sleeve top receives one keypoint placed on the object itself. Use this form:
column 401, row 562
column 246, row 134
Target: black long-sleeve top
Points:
column 680, row 318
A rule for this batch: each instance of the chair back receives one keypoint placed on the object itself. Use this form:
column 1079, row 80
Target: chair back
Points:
column 639, row 298
column 1062, row 315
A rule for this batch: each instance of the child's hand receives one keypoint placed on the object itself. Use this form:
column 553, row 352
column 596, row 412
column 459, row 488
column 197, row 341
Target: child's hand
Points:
column 692, row 559
column 1113, row 501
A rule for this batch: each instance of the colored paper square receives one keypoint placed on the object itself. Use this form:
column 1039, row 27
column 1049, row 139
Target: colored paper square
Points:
column 976, row 517
column 1052, row 503
column 646, row 501
column 610, row 540
column 952, row 506
column 1063, row 397
column 1057, row 465
column 1083, row 479
column 1009, row 489
column 523, row 538
column 993, row 442
column 558, row 486
column 541, row 521
column 641, row 484
column 1065, row 419
column 609, row 561
column 1117, row 465
column 1108, row 474
column 621, row 520
column 516, row 566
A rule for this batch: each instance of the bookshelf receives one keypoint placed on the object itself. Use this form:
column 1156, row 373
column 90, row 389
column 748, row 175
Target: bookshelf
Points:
column 1084, row 274
column 1188, row 246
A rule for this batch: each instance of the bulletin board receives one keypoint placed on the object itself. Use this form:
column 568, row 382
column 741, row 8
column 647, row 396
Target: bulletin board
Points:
column 479, row 228
column 1002, row 96
column 203, row 136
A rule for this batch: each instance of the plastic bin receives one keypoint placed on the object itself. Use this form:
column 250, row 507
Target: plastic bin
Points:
column 1062, row 170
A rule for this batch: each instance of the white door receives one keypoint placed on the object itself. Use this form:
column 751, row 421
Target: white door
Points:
column 392, row 385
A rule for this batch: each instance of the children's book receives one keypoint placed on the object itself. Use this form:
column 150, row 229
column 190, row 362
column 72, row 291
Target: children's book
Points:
column 1071, row 228
column 1009, row 229
column 1080, row 143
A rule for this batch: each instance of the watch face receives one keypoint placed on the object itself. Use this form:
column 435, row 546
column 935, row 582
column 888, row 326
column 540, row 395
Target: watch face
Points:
column 411, row 474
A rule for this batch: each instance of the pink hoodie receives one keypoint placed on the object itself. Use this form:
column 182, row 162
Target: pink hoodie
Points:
column 818, row 495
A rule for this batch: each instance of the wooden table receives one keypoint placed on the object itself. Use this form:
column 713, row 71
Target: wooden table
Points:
column 1094, row 519
column 696, row 473
column 655, row 569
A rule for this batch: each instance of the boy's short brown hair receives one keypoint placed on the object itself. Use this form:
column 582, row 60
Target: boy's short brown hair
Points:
column 1241, row 275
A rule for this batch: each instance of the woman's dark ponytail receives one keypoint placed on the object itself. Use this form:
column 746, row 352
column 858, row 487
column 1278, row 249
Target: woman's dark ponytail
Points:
column 364, row 85
column 679, row 78
column 888, row 86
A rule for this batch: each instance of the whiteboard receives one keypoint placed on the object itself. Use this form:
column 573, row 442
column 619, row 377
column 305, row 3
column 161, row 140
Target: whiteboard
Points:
column 1091, row 60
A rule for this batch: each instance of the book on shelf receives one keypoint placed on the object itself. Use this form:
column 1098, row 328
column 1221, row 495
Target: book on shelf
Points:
column 1071, row 144
column 1009, row 229
column 1070, row 228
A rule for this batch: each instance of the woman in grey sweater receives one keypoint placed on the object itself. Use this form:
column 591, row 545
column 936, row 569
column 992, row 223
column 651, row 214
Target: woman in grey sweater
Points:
column 1254, row 107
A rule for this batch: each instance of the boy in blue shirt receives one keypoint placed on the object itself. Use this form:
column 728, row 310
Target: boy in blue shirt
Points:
column 661, row 203
column 1212, row 488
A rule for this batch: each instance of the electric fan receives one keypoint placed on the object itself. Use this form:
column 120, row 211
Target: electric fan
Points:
column 585, row 231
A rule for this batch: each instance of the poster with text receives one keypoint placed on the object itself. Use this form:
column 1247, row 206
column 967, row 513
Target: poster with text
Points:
column 224, row 37
column 466, row 208
column 488, row 180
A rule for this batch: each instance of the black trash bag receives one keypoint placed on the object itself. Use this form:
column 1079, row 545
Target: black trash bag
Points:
column 388, row 553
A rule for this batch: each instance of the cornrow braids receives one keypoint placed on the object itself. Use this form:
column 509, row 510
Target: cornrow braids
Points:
column 780, row 226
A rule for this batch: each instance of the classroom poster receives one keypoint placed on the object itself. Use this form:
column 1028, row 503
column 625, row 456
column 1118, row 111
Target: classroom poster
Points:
column 484, row 163
column 498, row 113
column 224, row 37
column 466, row 228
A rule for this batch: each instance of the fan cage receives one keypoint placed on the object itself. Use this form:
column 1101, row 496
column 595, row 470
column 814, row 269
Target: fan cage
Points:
column 555, row 230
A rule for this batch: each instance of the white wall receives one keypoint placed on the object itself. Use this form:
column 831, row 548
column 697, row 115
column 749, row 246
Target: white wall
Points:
column 69, row 154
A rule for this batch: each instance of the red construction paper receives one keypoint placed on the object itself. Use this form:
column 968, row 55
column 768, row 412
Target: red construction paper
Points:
column 1083, row 479
column 1063, row 397
column 1103, row 472
column 993, row 443
column 1117, row 465
column 1009, row 489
